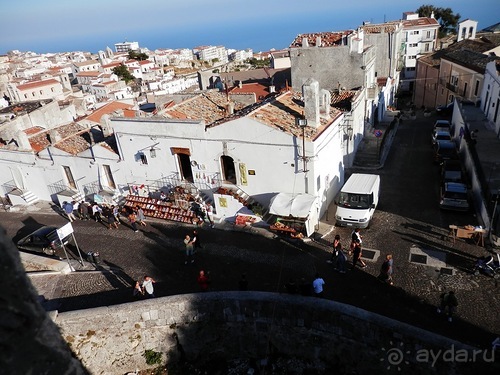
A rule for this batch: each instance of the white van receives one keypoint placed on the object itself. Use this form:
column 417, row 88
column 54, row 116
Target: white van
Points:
column 357, row 200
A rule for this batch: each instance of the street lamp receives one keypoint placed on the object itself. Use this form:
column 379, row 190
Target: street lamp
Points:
column 348, row 132
column 302, row 123
column 492, row 223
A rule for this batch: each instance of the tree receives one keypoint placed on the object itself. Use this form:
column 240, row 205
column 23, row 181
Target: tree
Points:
column 134, row 55
column 445, row 16
column 122, row 72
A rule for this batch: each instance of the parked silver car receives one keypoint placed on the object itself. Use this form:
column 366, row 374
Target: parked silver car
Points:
column 454, row 196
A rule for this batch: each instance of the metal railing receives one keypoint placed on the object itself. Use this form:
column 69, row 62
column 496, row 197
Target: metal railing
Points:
column 9, row 186
column 57, row 187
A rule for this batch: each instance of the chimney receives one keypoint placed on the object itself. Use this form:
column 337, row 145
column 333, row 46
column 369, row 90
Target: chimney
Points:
column 53, row 136
column 310, row 92
column 21, row 140
column 240, row 84
column 272, row 89
column 318, row 41
column 107, row 128
column 305, row 42
column 324, row 103
column 230, row 108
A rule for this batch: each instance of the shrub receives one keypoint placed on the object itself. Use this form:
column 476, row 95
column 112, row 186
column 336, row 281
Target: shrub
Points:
column 152, row 357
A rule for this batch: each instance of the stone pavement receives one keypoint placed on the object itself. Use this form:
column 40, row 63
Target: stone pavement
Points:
column 227, row 254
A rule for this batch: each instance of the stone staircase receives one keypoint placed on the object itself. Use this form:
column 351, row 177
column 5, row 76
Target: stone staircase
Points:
column 368, row 152
column 22, row 197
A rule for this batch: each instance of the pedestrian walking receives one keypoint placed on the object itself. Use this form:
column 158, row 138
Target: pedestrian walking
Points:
column 243, row 283
column 147, row 286
column 138, row 292
column 336, row 247
column 210, row 214
column 96, row 212
column 116, row 213
column 340, row 261
column 111, row 218
column 189, row 249
column 68, row 210
column 356, row 256
column 76, row 211
column 317, row 285
column 84, row 210
column 356, row 238
column 196, row 240
column 132, row 218
column 448, row 304
column 386, row 270
column 140, row 216
column 203, row 280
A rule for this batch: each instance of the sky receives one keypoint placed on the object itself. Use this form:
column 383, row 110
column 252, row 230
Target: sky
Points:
column 48, row 26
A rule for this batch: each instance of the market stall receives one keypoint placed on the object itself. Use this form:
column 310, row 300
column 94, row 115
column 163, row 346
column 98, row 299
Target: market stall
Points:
column 178, row 205
column 297, row 213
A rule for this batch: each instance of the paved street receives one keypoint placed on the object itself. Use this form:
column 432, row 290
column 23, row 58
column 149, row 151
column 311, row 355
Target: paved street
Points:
column 407, row 220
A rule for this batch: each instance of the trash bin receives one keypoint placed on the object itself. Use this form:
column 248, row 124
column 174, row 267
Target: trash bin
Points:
column 93, row 257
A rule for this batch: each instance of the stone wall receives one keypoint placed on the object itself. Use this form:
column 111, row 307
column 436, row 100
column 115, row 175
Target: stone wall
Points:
column 30, row 342
column 255, row 325
column 330, row 66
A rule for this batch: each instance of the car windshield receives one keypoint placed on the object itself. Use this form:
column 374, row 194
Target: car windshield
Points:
column 443, row 136
column 455, row 195
column 352, row 200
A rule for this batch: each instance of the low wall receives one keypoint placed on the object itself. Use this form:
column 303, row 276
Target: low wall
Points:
column 335, row 336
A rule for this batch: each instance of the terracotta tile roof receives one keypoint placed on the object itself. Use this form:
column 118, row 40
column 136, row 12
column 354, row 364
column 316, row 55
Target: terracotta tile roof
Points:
column 33, row 130
column 208, row 107
column 470, row 59
column 74, row 139
column 478, row 46
column 24, row 107
column 381, row 81
column 86, row 62
column 112, row 65
column 420, row 22
column 342, row 100
column 281, row 112
column 35, row 84
column 40, row 141
column 107, row 109
column 328, row 39
column 129, row 113
column 91, row 73
column 260, row 91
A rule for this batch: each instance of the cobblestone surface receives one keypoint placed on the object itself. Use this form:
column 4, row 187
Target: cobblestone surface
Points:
column 407, row 216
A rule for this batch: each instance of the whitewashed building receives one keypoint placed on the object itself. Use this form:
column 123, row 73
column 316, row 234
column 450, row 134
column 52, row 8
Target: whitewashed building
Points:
column 421, row 34
column 207, row 141
column 490, row 95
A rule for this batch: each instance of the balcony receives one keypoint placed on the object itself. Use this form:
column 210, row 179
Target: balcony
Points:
column 452, row 88
column 372, row 92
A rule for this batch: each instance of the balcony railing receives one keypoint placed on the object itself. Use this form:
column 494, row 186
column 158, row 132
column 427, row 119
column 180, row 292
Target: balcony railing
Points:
column 9, row 186
column 372, row 92
column 59, row 186
column 451, row 87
